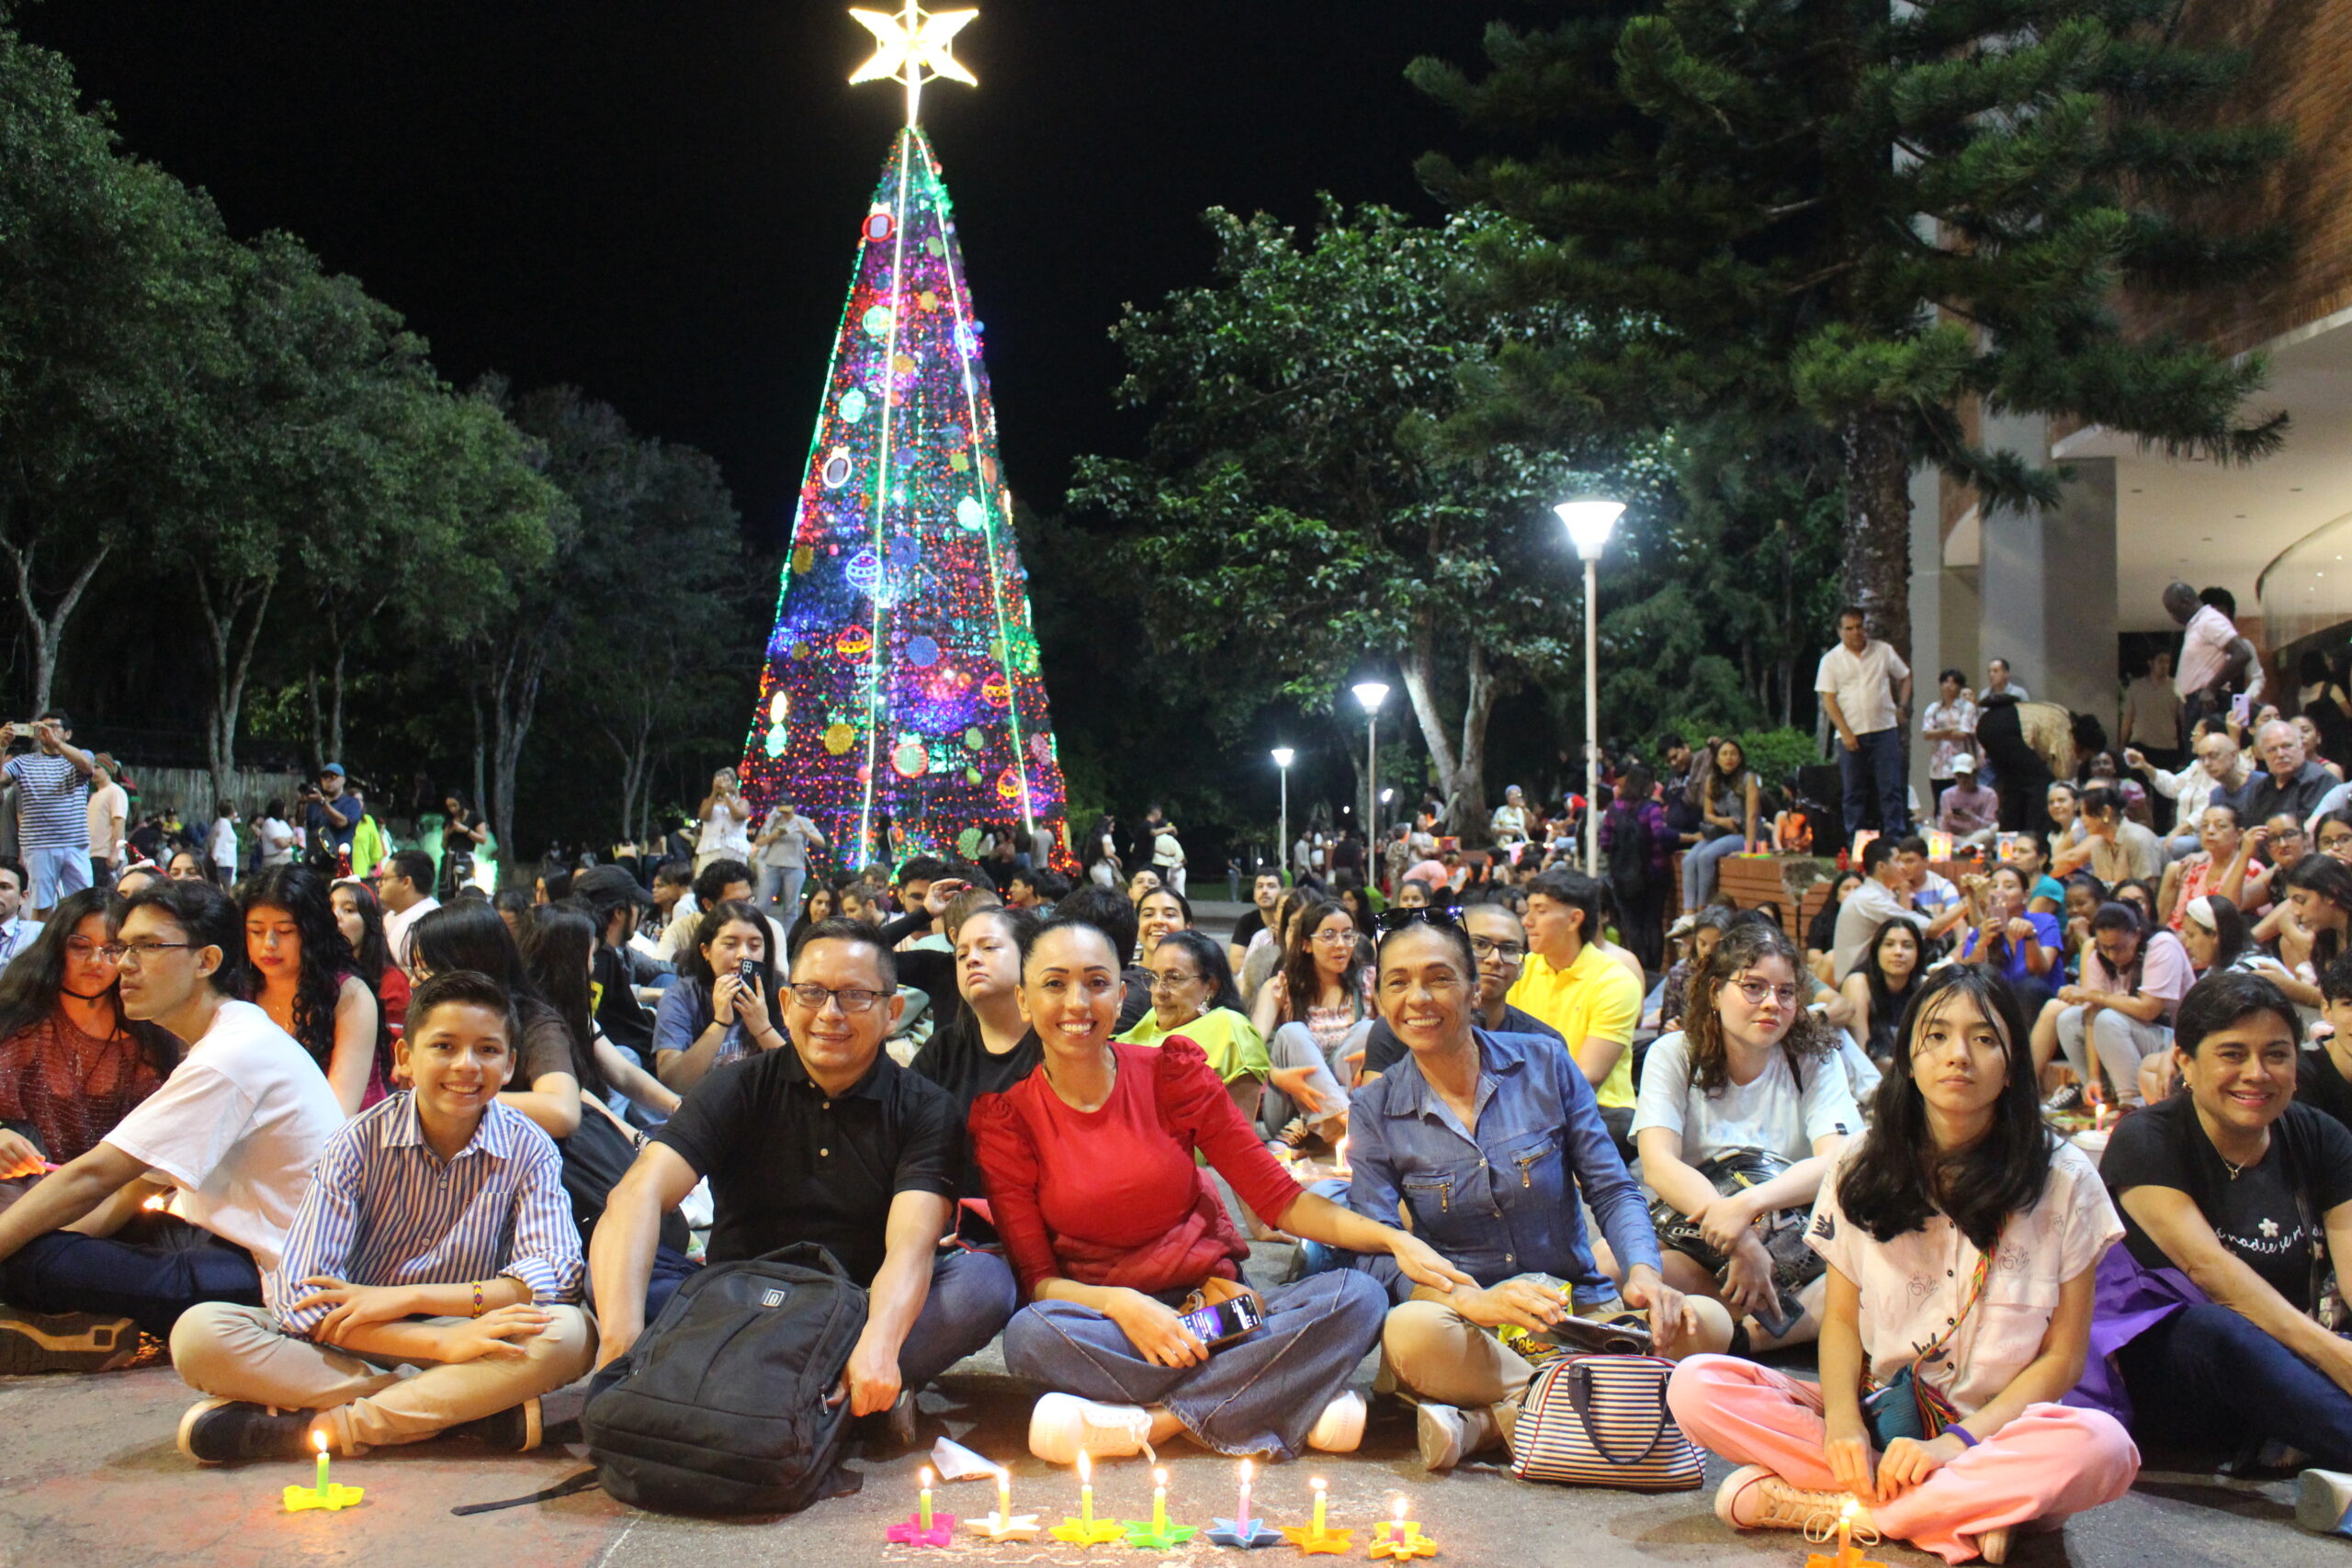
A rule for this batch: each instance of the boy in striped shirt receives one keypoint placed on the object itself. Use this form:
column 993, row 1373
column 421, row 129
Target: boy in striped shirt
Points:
column 436, row 1236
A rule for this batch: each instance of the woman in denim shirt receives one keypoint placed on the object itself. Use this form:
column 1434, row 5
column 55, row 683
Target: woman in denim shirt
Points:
column 1486, row 1140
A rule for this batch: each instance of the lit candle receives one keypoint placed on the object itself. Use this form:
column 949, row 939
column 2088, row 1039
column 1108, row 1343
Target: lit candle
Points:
column 923, row 1506
column 320, row 1440
column 1003, row 1497
column 1085, row 1491
column 1846, row 1534
column 1316, row 1531
column 1159, row 1502
column 1404, row 1529
column 1241, row 1513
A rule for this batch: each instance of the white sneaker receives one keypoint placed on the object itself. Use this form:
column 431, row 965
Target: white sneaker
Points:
column 2324, row 1501
column 1753, row 1498
column 1449, row 1434
column 1063, row 1424
column 1339, row 1429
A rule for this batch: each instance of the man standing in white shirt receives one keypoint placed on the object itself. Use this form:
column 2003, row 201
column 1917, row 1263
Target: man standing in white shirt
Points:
column 232, row 1137
column 108, row 807
column 407, row 876
column 1865, row 690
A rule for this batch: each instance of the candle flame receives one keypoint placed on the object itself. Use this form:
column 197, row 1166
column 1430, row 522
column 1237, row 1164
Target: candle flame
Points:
column 1848, row 1511
column 1401, row 1510
column 155, row 1204
column 1317, row 1483
column 1160, row 1478
column 319, row 1441
column 1245, row 1470
column 926, row 1478
column 1083, row 1471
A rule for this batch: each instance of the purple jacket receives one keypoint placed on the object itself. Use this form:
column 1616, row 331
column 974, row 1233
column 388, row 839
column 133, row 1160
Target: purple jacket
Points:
column 2129, row 1299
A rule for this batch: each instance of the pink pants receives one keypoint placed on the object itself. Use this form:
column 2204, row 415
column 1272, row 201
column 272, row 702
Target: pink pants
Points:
column 2051, row 1461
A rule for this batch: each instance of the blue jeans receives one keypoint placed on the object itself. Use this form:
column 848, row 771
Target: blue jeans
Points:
column 972, row 1295
column 151, row 1271
column 2207, row 1376
column 1698, row 868
column 1878, row 764
column 778, row 891
column 1258, row 1395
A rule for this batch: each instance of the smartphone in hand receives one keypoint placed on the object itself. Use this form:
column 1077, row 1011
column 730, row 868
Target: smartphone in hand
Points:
column 1219, row 1325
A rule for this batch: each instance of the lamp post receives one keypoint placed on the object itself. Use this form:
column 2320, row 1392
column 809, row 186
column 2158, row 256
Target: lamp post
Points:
column 1589, row 520
column 1372, row 694
column 1283, row 755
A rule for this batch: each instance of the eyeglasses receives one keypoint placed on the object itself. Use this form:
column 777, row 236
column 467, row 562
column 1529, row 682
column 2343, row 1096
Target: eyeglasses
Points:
column 1168, row 980
column 1756, row 990
column 853, row 999
column 1397, row 919
column 1335, row 938
column 82, row 947
column 139, row 952
column 1488, row 947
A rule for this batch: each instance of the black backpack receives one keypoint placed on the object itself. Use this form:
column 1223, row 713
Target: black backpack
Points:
column 721, row 1406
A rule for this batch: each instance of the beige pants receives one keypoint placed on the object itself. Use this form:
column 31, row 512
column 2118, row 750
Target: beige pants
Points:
column 1437, row 1354
column 239, row 1352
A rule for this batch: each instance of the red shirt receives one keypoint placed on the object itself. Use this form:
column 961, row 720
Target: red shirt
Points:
column 1113, row 1197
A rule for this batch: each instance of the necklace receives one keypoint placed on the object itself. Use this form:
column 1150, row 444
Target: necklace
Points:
column 2234, row 1168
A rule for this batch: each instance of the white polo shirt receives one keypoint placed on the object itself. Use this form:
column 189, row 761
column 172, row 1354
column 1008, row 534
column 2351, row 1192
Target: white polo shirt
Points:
column 1863, row 685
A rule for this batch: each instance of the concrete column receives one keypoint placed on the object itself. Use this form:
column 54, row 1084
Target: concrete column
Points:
column 2048, row 583
column 1944, row 615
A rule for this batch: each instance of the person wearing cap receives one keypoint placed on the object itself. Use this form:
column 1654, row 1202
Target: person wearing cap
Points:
column 780, row 851
column 332, row 809
column 1969, row 812
column 614, row 898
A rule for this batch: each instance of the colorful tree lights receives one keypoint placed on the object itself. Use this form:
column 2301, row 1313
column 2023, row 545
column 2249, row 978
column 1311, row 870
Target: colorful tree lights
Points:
column 902, row 704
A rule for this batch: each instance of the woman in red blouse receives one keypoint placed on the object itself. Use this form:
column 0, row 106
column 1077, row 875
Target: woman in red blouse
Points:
column 1110, row 1225
column 71, row 1065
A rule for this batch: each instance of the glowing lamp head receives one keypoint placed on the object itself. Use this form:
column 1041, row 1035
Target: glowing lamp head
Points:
column 1283, row 756
column 1589, row 523
column 1371, row 693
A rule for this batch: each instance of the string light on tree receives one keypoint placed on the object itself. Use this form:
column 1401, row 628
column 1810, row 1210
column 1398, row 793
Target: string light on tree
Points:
column 902, row 705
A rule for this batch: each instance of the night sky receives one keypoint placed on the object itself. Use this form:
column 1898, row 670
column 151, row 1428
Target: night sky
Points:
column 660, row 202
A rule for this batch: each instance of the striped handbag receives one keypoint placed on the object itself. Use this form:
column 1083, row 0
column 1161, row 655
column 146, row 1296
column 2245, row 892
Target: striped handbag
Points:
column 1603, row 1421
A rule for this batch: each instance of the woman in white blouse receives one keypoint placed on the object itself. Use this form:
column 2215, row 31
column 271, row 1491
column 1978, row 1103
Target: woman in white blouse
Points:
column 1963, row 1240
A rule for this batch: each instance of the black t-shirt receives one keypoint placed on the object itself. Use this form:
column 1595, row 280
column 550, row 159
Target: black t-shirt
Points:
column 957, row 1061
column 787, row 1164
column 2255, row 1213
column 2321, row 1087
column 1137, row 1001
column 1251, row 922
column 1383, row 1050
column 618, row 1012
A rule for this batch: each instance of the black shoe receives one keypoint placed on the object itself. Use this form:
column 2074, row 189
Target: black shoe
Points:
column 231, row 1431
column 517, row 1431
column 64, row 1342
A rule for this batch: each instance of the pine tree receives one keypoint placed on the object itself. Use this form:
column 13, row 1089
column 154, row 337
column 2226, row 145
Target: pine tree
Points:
column 1864, row 214
column 902, row 706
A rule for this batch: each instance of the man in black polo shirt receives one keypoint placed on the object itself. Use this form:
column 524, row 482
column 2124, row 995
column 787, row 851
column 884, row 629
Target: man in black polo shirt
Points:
column 1499, row 943
column 829, row 1142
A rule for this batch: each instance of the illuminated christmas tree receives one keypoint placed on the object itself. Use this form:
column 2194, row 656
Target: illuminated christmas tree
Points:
column 902, row 706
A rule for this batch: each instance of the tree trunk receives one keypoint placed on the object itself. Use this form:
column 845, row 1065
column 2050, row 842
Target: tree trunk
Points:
column 334, row 699
column 233, row 662
column 480, row 799
column 514, row 702
column 1461, row 769
column 319, row 755
column 1470, row 778
column 1876, row 461
column 48, row 631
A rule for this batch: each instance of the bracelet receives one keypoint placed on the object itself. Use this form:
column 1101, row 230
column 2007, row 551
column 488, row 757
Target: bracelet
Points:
column 476, row 1290
column 1967, row 1439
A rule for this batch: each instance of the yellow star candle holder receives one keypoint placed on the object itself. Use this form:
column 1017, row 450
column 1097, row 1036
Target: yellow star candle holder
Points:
column 1086, row 1529
column 1316, row 1538
column 1400, row 1537
column 326, row 1493
column 1819, row 1530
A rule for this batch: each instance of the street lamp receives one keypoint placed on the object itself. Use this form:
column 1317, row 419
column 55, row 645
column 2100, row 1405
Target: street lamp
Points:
column 1283, row 755
column 1372, row 694
column 1589, row 520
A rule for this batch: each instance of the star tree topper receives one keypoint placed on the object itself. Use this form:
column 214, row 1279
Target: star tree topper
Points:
column 912, row 47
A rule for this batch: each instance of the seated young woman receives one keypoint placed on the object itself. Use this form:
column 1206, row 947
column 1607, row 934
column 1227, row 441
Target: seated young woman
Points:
column 1111, row 1226
column 1492, row 1143
column 1750, row 1082
column 360, row 916
column 2120, row 1010
column 1883, row 985
column 1192, row 994
column 1962, row 1241
column 2020, row 944
column 299, row 970
column 72, row 1064
column 713, row 1014
column 2235, row 1197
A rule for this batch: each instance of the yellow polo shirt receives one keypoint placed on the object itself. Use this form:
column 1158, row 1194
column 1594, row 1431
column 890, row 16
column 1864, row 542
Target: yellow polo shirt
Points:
column 1593, row 996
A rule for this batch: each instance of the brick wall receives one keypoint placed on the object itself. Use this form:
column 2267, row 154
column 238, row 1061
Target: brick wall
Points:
column 2297, row 77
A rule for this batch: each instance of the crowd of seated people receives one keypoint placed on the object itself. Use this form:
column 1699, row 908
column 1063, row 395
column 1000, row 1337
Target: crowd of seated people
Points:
column 368, row 1228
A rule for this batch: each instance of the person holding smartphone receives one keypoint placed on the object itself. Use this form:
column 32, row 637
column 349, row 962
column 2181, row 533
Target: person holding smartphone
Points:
column 724, row 1005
